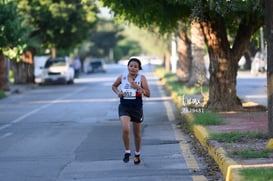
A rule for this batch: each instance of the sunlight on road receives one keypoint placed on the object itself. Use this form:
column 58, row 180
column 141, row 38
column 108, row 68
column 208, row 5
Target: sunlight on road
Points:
column 73, row 101
column 94, row 79
column 166, row 98
column 256, row 96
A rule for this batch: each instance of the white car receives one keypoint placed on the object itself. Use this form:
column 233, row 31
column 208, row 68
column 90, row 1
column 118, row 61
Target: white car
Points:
column 39, row 63
column 259, row 63
column 57, row 70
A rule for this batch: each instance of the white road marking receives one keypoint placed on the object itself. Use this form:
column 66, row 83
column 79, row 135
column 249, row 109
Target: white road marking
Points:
column 6, row 135
column 5, row 126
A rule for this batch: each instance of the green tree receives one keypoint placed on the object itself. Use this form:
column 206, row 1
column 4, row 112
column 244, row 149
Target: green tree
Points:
column 151, row 42
column 12, row 40
column 104, row 38
column 61, row 24
column 217, row 19
column 128, row 48
column 123, row 41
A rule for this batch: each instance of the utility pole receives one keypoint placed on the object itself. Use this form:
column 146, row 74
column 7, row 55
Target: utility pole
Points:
column 173, row 55
column 262, row 40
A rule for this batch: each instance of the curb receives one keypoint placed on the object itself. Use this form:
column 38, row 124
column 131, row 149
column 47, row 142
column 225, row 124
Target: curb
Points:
column 20, row 88
column 229, row 168
column 270, row 144
column 225, row 163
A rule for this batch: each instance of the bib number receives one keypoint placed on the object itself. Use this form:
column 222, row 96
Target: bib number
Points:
column 129, row 93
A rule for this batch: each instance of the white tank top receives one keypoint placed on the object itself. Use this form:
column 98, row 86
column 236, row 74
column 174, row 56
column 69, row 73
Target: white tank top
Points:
column 128, row 91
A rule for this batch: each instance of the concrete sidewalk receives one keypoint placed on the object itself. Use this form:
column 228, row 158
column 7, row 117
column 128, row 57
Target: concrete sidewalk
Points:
column 20, row 88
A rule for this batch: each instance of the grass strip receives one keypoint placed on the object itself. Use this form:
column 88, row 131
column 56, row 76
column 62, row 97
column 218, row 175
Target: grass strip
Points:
column 257, row 174
column 207, row 118
column 250, row 153
column 179, row 87
column 233, row 137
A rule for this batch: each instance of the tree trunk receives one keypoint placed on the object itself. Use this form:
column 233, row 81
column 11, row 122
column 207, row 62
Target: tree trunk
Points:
column 184, row 56
column 247, row 65
column 198, row 69
column 53, row 52
column 28, row 59
column 223, row 68
column 222, row 82
column 4, row 84
column 167, row 64
column 24, row 70
column 19, row 70
column 269, row 36
column 224, row 59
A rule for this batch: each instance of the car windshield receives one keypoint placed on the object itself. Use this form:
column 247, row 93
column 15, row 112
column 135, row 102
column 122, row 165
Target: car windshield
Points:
column 54, row 63
column 96, row 63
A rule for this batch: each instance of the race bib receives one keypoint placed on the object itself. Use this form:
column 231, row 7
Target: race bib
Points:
column 129, row 93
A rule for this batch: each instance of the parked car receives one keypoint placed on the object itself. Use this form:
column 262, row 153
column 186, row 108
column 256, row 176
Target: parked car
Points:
column 259, row 63
column 39, row 63
column 57, row 70
column 96, row 65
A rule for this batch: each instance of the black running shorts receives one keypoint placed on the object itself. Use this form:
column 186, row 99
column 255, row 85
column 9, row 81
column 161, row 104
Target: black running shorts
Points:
column 135, row 115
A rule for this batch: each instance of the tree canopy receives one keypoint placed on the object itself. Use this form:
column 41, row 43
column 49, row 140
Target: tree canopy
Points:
column 227, row 27
column 166, row 14
column 104, row 37
column 61, row 24
column 12, row 34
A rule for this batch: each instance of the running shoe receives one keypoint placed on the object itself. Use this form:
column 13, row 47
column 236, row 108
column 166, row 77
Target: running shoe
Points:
column 126, row 157
column 137, row 159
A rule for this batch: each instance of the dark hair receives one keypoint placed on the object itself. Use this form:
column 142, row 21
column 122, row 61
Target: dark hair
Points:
column 135, row 60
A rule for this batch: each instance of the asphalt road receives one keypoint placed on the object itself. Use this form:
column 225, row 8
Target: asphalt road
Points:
column 72, row 132
column 252, row 87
